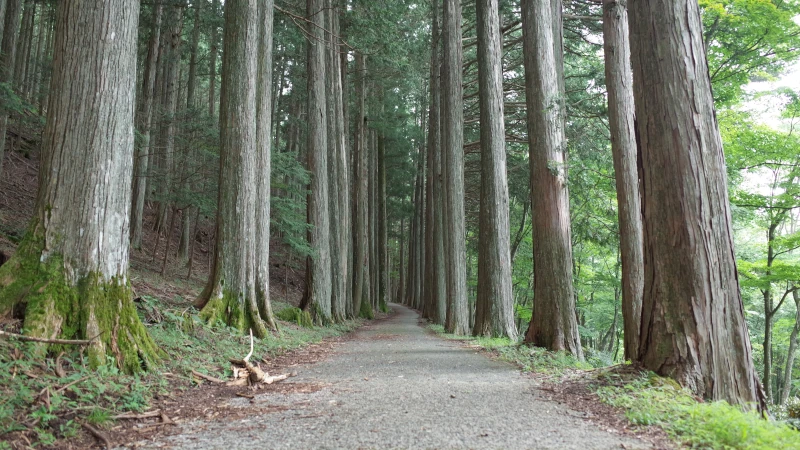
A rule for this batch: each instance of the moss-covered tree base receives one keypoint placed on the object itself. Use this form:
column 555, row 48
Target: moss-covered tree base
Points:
column 53, row 307
column 298, row 316
column 366, row 311
column 229, row 309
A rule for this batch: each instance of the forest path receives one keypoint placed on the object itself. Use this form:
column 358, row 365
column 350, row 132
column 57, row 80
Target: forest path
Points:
column 396, row 385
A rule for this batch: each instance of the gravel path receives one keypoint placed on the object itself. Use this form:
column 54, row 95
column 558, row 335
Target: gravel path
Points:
column 394, row 385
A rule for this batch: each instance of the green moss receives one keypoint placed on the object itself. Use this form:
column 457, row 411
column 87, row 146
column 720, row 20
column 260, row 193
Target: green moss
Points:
column 652, row 400
column 92, row 307
column 229, row 310
column 296, row 315
column 366, row 311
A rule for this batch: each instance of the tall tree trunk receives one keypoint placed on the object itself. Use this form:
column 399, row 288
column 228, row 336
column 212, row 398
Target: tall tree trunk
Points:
column 621, row 113
column 191, row 102
column 769, row 312
column 693, row 324
column 191, row 98
column 434, row 241
column 264, row 159
column 344, row 180
column 337, row 162
column 3, row 4
column 495, row 301
column 553, row 325
column 144, row 124
column 372, row 208
column 70, row 271
column 453, row 145
column 318, row 278
column 34, row 74
column 8, row 50
column 212, row 59
column 792, row 352
column 47, row 61
column 401, row 244
column 383, row 249
column 171, row 89
column 232, row 292
column 439, row 268
column 25, row 38
column 360, row 175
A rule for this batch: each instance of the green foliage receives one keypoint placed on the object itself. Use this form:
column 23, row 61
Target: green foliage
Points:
column 651, row 400
column 746, row 40
column 33, row 394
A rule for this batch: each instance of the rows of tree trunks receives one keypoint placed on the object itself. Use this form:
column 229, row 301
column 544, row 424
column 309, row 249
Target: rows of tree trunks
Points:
column 682, row 311
column 122, row 136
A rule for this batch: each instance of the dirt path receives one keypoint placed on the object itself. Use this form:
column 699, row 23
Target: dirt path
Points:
column 395, row 385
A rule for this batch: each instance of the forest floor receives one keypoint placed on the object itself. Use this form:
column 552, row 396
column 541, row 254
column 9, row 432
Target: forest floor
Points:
column 394, row 384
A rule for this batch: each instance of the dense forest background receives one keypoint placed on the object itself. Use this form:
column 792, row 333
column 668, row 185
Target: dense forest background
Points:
column 383, row 53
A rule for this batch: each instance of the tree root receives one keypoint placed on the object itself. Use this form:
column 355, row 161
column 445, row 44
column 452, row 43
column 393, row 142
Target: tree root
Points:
column 96, row 433
column 251, row 374
column 49, row 341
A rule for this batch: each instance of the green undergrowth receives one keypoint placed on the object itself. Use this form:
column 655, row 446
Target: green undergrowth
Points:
column 529, row 359
column 648, row 399
column 45, row 408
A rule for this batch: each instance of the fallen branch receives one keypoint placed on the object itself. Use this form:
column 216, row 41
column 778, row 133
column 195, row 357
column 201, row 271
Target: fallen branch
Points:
column 147, row 415
column 96, row 433
column 62, row 388
column 254, row 373
column 270, row 380
column 207, row 377
column 49, row 341
column 58, row 369
column 166, row 420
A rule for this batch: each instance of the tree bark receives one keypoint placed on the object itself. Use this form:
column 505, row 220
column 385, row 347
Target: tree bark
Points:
column 337, row 161
column 8, row 50
column 383, row 250
column 495, row 301
column 693, row 324
column 621, row 116
column 70, row 271
column 360, row 183
column 212, row 59
column 234, row 285
column 318, row 278
column 191, row 83
column 264, row 159
column 35, row 65
column 792, row 352
column 553, row 325
column 453, row 145
column 144, row 124
column 25, row 39
column 432, row 278
column 172, row 61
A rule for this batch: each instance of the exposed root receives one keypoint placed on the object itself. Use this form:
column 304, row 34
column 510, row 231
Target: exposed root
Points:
column 251, row 374
column 96, row 433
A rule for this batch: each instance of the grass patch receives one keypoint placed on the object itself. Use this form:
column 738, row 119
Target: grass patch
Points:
column 651, row 400
column 35, row 402
column 529, row 359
